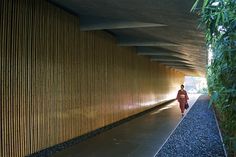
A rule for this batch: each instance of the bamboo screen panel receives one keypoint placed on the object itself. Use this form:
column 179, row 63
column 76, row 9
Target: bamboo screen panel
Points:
column 58, row 83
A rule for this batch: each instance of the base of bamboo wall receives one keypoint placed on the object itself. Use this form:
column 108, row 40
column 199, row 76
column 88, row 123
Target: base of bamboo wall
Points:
column 69, row 143
column 56, row 80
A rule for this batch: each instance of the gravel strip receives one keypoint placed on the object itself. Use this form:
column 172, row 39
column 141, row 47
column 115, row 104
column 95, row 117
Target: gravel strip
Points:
column 196, row 136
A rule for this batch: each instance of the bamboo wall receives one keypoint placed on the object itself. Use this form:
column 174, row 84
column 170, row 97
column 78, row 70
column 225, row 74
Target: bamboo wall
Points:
column 58, row 83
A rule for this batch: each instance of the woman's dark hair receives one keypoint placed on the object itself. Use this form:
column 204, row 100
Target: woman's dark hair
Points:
column 182, row 86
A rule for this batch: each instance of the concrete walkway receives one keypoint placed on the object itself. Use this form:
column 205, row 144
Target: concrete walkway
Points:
column 141, row 137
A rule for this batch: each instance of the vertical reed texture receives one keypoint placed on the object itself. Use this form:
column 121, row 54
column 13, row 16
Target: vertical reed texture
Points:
column 58, row 83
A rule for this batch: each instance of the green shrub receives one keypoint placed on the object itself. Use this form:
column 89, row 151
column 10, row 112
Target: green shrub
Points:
column 218, row 18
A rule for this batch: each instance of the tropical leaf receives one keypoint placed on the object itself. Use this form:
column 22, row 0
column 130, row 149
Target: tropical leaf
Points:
column 205, row 2
column 194, row 6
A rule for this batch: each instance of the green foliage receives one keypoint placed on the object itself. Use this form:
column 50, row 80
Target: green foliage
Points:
column 218, row 17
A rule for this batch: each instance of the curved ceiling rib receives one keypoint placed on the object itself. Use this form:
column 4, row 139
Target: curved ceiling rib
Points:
column 98, row 23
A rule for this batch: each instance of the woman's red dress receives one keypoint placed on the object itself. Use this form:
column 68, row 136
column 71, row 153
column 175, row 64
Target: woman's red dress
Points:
column 182, row 98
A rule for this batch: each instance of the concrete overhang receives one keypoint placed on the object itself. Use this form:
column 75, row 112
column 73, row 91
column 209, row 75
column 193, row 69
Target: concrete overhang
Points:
column 163, row 30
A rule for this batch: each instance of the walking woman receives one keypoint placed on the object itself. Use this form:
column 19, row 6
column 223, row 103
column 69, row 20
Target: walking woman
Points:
column 182, row 98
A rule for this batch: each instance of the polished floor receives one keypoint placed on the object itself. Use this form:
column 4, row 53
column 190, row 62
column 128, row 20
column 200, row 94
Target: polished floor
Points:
column 141, row 137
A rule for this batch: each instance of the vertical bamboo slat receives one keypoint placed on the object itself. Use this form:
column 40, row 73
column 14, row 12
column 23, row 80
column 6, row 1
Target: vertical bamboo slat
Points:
column 1, row 80
column 2, row 72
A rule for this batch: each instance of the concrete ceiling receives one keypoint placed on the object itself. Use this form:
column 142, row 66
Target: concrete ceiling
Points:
column 163, row 30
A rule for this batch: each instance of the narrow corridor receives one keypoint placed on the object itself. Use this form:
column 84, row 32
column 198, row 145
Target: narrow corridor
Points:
column 141, row 137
